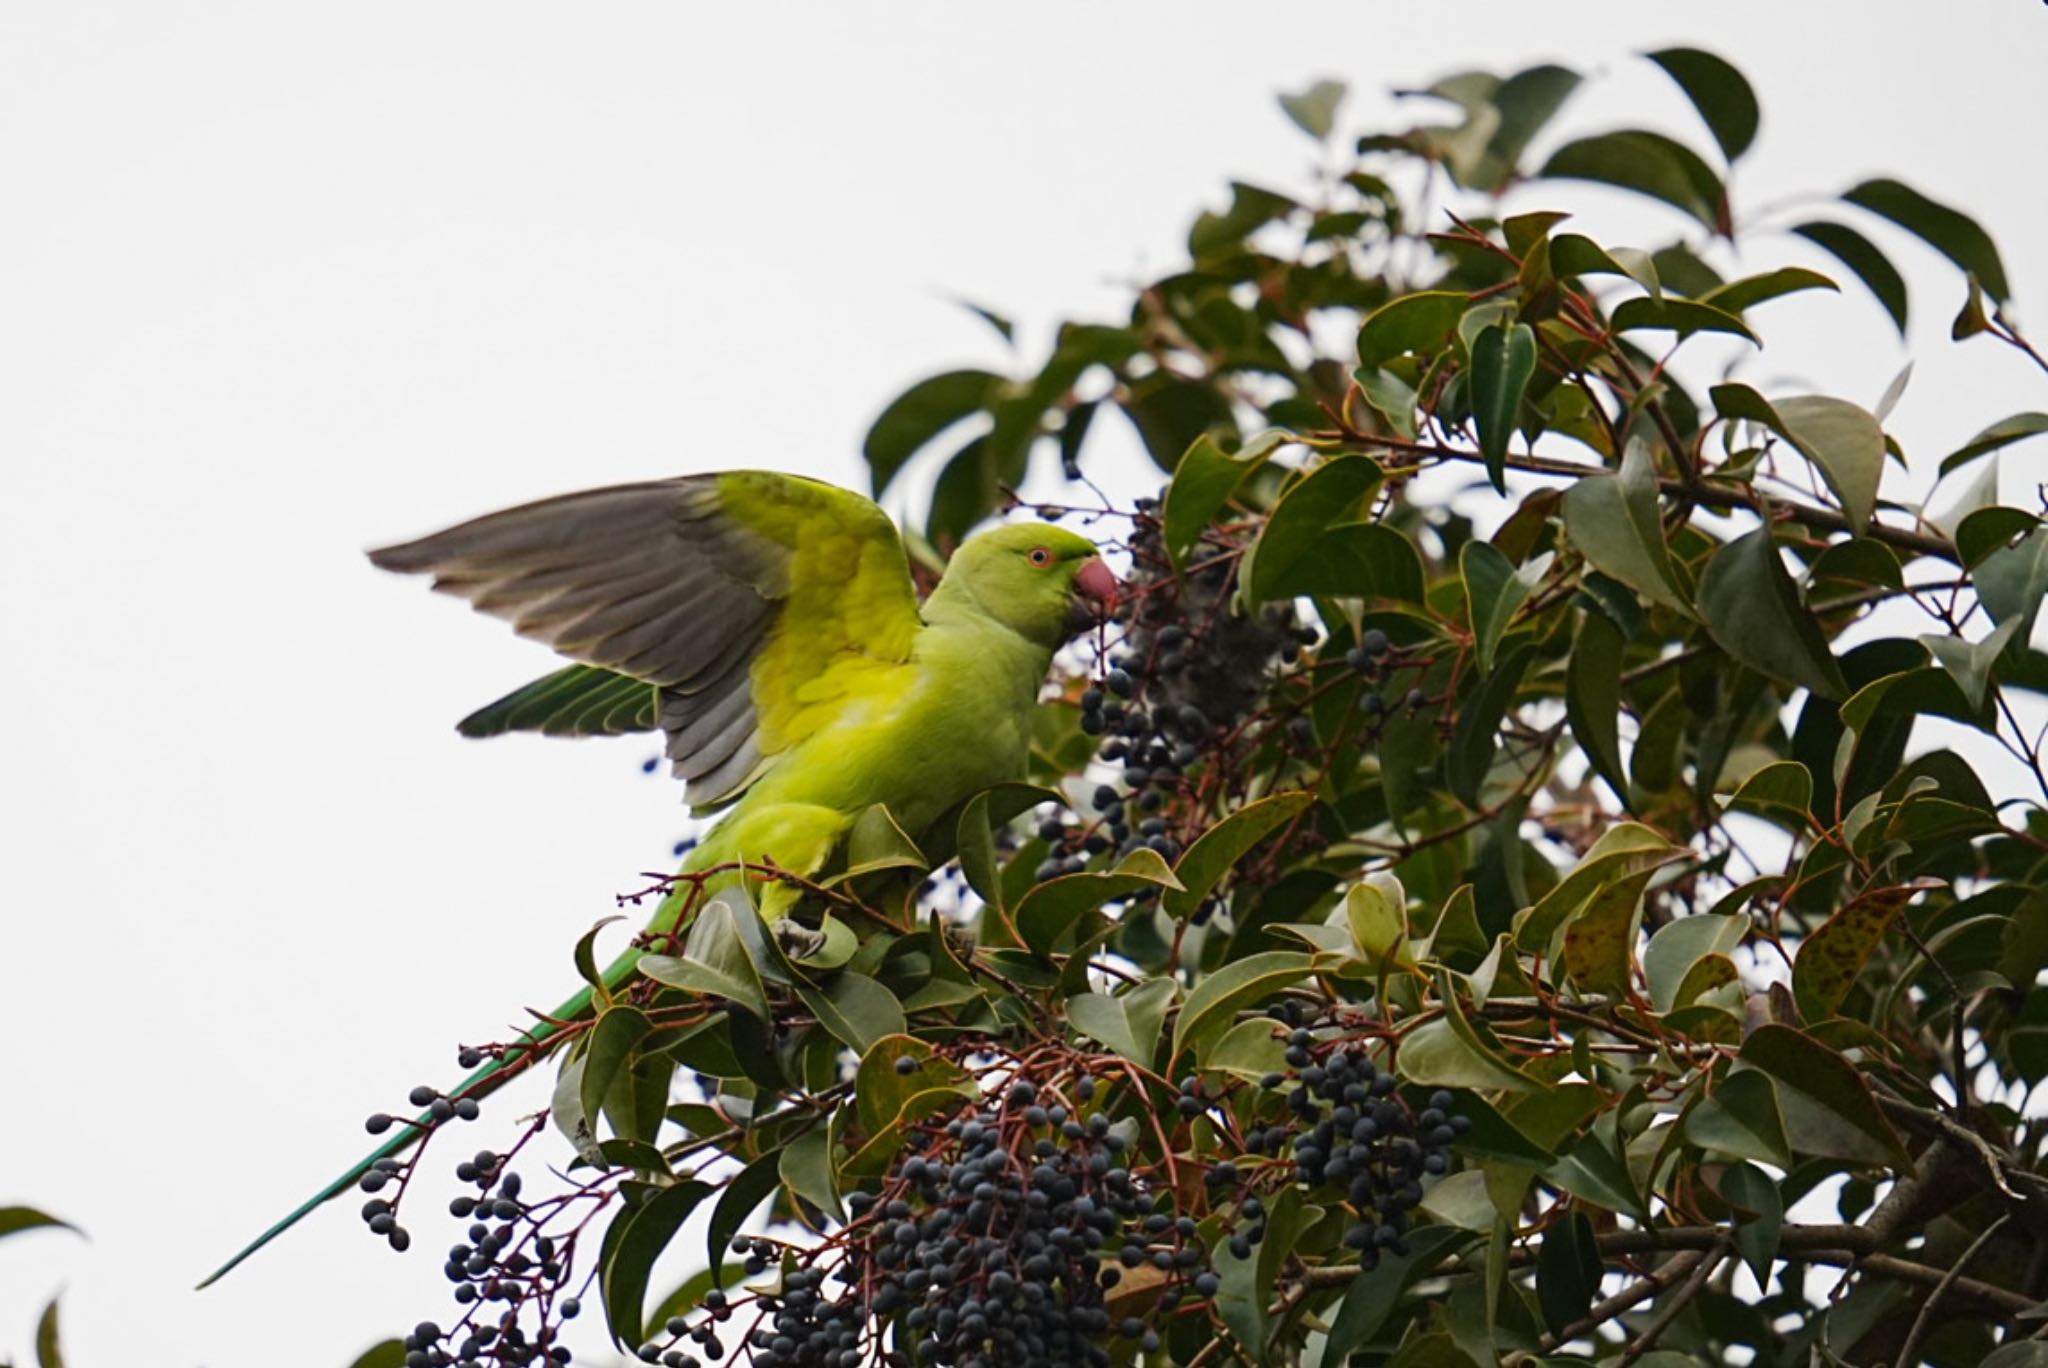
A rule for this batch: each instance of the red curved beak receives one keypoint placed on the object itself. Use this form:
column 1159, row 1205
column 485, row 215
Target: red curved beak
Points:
column 1096, row 583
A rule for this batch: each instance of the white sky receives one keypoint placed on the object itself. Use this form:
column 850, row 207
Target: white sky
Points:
column 279, row 282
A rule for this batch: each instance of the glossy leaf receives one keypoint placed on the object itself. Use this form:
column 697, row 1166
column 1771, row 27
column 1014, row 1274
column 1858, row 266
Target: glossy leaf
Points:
column 1203, row 482
column 1649, row 164
column 1503, row 360
column 1615, row 521
column 1752, row 608
column 1592, row 698
column 1211, row 1002
column 2002, row 433
column 1756, row 1239
column 1126, row 1022
column 645, row 1232
column 1475, row 741
column 1739, row 295
column 1330, row 493
column 1950, row 232
column 857, row 1010
column 1217, row 851
column 1865, row 259
column 920, row 414
column 1421, row 322
column 1049, row 910
column 1741, row 1118
column 1682, row 316
column 1720, row 93
column 1828, row 1107
column 738, row 1199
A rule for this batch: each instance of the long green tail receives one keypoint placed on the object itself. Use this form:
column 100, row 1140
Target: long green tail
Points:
column 519, row 1056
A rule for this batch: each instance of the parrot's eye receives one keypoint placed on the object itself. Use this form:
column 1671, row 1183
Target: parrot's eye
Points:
column 1040, row 556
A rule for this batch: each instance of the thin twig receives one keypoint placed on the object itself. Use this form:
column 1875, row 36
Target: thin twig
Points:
column 1909, row 1351
column 1669, row 1309
column 1649, row 1285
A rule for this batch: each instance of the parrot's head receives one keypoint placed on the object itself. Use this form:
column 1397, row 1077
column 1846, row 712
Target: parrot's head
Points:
column 1043, row 582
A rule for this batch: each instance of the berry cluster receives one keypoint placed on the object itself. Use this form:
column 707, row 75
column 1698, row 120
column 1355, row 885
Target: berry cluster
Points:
column 1375, row 657
column 515, row 1263
column 1184, row 675
column 1349, row 1129
column 999, row 1241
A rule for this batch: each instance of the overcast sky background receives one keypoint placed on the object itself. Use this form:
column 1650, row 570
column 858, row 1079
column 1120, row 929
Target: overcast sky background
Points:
column 280, row 282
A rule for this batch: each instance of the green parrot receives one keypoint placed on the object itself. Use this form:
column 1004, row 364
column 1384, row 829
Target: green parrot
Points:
column 768, row 625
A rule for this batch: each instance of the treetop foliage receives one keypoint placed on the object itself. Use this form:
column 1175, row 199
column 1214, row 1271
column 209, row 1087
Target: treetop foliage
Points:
column 1521, row 881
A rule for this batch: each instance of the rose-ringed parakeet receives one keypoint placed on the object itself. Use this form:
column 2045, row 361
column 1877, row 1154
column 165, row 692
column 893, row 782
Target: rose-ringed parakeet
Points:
column 768, row 624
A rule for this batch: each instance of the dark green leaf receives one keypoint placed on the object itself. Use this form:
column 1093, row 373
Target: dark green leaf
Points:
column 1476, row 738
column 613, row 1041
column 881, row 1094
column 1752, row 608
column 1050, row 909
column 2011, row 583
column 1354, row 560
column 1202, row 483
column 1210, row 1005
column 1419, row 322
column 586, row 956
column 1592, row 698
column 386, row 1354
column 1866, row 260
column 1739, row 295
column 918, row 415
column 1616, row 522
column 714, row 961
column 49, row 1349
column 1503, row 360
column 1493, row 594
column 1741, row 1118
column 856, row 1009
column 1749, row 1187
column 1828, row 1107
column 1649, row 164
column 806, row 1170
column 1370, row 1299
column 1954, row 234
column 1449, row 1052
column 1572, row 254
column 2002, row 433
column 1682, row 316
column 1568, row 1271
column 1781, row 791
column 1328, row 494
column 737, row 1200
column 1126, row 1022
column 1216, row 851
column 1720, row 93
column 1314, row 110
column 645, row 1233
column 15, row 1219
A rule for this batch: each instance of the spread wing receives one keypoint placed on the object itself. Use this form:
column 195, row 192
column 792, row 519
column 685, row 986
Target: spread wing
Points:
column 734, row 610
